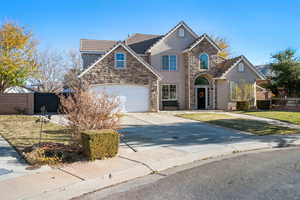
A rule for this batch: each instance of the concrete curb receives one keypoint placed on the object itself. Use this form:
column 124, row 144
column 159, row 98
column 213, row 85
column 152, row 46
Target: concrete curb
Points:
column 140, row 170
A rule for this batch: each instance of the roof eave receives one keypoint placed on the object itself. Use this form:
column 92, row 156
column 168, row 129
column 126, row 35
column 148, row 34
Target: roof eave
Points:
column 131, row 52
column 204, row 36
column 182, row 23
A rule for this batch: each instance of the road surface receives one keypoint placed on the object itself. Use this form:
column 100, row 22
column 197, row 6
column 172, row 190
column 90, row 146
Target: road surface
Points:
column 266, row 175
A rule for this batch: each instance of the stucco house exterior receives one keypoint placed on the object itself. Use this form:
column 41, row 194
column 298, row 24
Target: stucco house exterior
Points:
column 153, row 72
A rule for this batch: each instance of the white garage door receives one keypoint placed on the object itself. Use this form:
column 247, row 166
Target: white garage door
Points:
column 133, row 98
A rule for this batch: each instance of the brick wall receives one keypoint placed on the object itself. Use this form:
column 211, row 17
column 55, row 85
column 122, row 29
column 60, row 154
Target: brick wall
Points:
column 263, row 95
column 11, row 103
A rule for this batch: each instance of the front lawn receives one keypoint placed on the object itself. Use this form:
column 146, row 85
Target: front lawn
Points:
column 252, row 126
column 23, row 133
column 290, row 117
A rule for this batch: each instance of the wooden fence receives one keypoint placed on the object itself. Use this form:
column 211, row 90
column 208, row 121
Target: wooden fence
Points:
column 11, row 103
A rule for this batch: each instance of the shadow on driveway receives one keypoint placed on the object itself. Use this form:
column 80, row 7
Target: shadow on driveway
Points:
column 191, row 133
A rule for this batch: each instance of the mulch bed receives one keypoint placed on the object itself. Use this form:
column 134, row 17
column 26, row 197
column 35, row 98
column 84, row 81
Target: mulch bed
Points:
column 66, row 153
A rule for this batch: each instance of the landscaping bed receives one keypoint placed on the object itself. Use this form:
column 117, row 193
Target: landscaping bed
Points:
column 23, row 133
column 253, row 126
column 290, row 117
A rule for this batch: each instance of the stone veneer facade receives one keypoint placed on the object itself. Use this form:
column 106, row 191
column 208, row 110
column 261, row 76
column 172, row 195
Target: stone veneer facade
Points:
column 135, row 73
column 193, row 71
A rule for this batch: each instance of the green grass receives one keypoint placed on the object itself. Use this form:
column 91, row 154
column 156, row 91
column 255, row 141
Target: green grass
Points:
column 290, row 117
column 23, row 131
column 252, row 126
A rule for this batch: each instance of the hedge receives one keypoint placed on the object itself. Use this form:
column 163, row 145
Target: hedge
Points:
column 263, row 104
column 100, row 144
column 242, row 105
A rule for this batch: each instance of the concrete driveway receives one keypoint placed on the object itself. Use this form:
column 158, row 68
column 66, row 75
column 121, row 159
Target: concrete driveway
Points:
column 151, row 130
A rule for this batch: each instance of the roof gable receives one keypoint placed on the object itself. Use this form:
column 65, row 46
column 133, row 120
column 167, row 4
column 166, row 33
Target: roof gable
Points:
column 180, row 24
column 229, row 66
column 145, row 64
column 200, row 39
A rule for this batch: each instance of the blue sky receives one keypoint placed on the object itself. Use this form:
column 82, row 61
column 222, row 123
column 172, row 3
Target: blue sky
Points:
column 253, row 28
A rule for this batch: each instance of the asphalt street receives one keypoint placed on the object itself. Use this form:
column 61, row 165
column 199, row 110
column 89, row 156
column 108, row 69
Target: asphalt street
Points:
column 266, row 175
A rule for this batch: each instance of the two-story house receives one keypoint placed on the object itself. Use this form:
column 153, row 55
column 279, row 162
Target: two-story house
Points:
column 152, row 72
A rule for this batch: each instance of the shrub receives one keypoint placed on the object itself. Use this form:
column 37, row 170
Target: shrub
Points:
column 263, row 104
column 100, row 144
column 243, row 105
column 87, row 111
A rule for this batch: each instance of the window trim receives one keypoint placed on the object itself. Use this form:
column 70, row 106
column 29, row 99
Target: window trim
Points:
column 239, row 69
column 200, row 60
column 169, row 67
column 169, row 99
column 116, row 60
column 181, row 32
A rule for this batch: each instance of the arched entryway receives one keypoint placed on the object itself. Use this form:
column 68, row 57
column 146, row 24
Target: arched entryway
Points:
column 202, row 97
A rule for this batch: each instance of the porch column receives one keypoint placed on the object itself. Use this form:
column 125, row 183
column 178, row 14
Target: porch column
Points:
column 189, row 81
column 254, row 90
column 214, row 94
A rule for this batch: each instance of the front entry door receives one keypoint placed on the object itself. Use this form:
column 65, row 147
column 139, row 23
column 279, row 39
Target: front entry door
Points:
column 201, row 98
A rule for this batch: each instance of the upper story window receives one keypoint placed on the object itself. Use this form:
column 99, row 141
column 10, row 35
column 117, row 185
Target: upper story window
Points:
column 241, row 67
column 181, row 32
column 120, row 60
column 204, row 61
column 169, row 63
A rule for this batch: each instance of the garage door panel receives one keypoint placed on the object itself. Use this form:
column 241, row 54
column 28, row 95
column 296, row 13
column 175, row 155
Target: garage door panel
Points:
column 134, row 98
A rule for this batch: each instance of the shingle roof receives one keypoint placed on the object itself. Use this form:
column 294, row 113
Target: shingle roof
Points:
column 147, row 65
column 141, row 42
column 265, row 70
column 137, row 42
column 96, row 45
column 199, row 39
column 222, row 67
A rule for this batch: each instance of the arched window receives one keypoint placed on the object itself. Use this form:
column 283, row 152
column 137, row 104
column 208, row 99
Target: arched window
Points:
column 201, row 81
column 204, row 61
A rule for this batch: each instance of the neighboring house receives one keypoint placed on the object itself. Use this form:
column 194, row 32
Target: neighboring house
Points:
column 18, row 89
column 152, row 72
column 265, row 70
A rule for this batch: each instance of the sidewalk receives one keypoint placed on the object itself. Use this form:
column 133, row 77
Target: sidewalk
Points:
column 11, row 164
column 161, row 142
column 79, row 178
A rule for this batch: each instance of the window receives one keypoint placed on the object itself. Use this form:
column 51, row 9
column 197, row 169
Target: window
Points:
column 201, row 81
column 169, row 92
column 120, row 60
column 204, row 61
column 241, row 67
column 169, row 63
column 181, row 32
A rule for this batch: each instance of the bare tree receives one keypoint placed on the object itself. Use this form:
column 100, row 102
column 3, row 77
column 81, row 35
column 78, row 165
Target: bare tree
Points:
column 71, row 80
column 49, row 77
column 86, row 110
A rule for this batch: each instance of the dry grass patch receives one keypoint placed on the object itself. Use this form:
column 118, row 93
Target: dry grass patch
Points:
column 252, row 126
column 23, row 131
